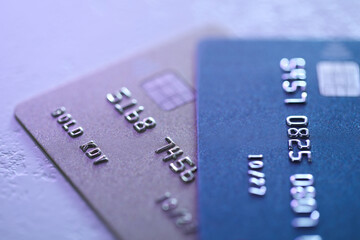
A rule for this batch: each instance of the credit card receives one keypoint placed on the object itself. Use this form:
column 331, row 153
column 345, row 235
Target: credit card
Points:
column 125, row 137
column 278, row 139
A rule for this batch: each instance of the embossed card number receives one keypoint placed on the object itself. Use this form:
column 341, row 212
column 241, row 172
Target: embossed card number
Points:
column 130, row 116
column 294, row 79
column 299, row 138
column 185, row 166
column 182, row 217
column 302, row 191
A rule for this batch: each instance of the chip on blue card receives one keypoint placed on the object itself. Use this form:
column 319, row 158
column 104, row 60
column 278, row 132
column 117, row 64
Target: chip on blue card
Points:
column 279, row 139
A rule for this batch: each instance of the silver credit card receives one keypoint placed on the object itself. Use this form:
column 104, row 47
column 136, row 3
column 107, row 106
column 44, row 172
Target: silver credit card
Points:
column 125, row 137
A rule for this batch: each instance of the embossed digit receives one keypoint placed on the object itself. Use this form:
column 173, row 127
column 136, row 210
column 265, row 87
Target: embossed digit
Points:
column 147, row 123
column 301, row 100
column 298, row 132
column 298, row 144
column 257, row 191
column 302, row 180
column 303, row 192
column 291, row 87
column 117, row 97
column 305, row 222
column 294, row 63
column 179, row 165
column 300, row 156
column 303, row 205
column 188, row 175
column 169, row 204
column 297, row 121
column 257, row 181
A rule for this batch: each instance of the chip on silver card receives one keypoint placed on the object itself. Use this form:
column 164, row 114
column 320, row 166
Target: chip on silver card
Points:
column 125, row 137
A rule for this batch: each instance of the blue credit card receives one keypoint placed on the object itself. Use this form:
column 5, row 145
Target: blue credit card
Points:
column 279, row 139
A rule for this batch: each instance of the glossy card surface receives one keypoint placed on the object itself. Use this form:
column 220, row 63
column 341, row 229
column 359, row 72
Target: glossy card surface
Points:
column 279, row 139
column 125, row 137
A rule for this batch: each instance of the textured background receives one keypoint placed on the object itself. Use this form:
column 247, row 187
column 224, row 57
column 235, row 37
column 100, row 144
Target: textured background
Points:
column 46, row 43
